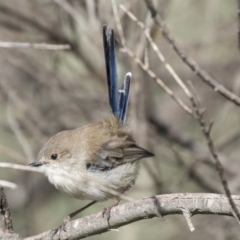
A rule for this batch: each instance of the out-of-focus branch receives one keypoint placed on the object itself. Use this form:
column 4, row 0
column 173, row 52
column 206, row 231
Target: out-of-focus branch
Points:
column 203, row 75
column 161, row 205
column 6, row 227
column 55, row 36
column 7, row 184
column 19, row 167
column 40, row 46
column 5, row 217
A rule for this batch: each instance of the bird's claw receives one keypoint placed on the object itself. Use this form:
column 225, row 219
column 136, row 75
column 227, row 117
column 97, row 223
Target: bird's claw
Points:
column 61, row 227
column 107, row 213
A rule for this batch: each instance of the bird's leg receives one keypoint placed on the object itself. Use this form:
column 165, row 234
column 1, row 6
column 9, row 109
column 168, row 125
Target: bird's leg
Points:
column 67, row 219
column 107, row 211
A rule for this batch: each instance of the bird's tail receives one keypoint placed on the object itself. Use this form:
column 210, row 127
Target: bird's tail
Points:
column 118, row 98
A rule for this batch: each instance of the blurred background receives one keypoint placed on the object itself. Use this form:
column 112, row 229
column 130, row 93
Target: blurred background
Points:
column 43, row 92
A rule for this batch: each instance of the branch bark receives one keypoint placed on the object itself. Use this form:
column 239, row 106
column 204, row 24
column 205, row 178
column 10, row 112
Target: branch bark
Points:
column 156, row 206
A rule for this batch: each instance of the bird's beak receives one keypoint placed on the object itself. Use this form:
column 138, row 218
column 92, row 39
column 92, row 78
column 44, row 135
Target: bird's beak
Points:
column 35, row 164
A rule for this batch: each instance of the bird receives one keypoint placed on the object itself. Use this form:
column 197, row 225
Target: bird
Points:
column 98, row 160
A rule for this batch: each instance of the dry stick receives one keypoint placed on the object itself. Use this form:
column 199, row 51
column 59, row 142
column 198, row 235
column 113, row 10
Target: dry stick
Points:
column 206, row 132
column 158, row 81
column 40, row 46
column 168, row 204
column 7, row 184
column 204, row 76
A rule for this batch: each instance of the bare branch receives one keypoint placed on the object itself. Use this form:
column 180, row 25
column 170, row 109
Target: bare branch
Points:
column 169, row 204
column 206, row 129
column 40, row 46
column 152, row 75
column 19, row 167
column 7, row 184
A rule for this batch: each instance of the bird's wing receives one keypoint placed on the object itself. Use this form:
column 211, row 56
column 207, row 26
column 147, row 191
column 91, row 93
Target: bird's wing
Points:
column 117, row 151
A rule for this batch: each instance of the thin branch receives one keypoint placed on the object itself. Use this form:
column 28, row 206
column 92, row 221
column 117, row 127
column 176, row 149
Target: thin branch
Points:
column 187, row 216
column 40, row 46
column 19, row 167
column 7, row 184
column 169, row 204
column 206, row 130
column 203, row 75
column 152, row 75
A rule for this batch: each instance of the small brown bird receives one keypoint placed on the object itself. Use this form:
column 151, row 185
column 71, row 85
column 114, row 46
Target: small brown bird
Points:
column 100, row 158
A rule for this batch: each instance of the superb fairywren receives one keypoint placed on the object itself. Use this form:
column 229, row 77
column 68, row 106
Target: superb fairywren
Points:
column 97, row 157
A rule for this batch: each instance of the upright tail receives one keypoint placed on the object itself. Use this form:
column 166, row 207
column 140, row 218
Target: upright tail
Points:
column 118, row 98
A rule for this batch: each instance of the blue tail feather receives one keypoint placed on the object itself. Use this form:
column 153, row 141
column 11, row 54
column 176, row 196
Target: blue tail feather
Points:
column 118, row 99
column 111, row 68
column 124, row 97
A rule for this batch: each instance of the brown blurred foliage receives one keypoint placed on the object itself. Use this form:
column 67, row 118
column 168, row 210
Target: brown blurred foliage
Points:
column 43, row 92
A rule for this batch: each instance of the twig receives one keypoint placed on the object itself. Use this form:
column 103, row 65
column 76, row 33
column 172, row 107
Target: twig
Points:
column 198, row 203
column 40, row 46
column 19, row 167
column 187, row 215
column 146, row 69
column 203, row 75
column 206, row 129
column 7, row 184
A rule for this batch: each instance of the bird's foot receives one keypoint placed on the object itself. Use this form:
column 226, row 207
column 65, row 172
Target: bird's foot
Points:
column 61, row 227
column 107, row 212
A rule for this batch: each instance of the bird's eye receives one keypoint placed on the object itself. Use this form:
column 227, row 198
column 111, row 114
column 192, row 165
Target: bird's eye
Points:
column 54, row 156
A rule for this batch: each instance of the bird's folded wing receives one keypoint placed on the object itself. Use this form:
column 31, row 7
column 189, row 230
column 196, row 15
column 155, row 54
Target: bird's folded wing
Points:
column 117, row 151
